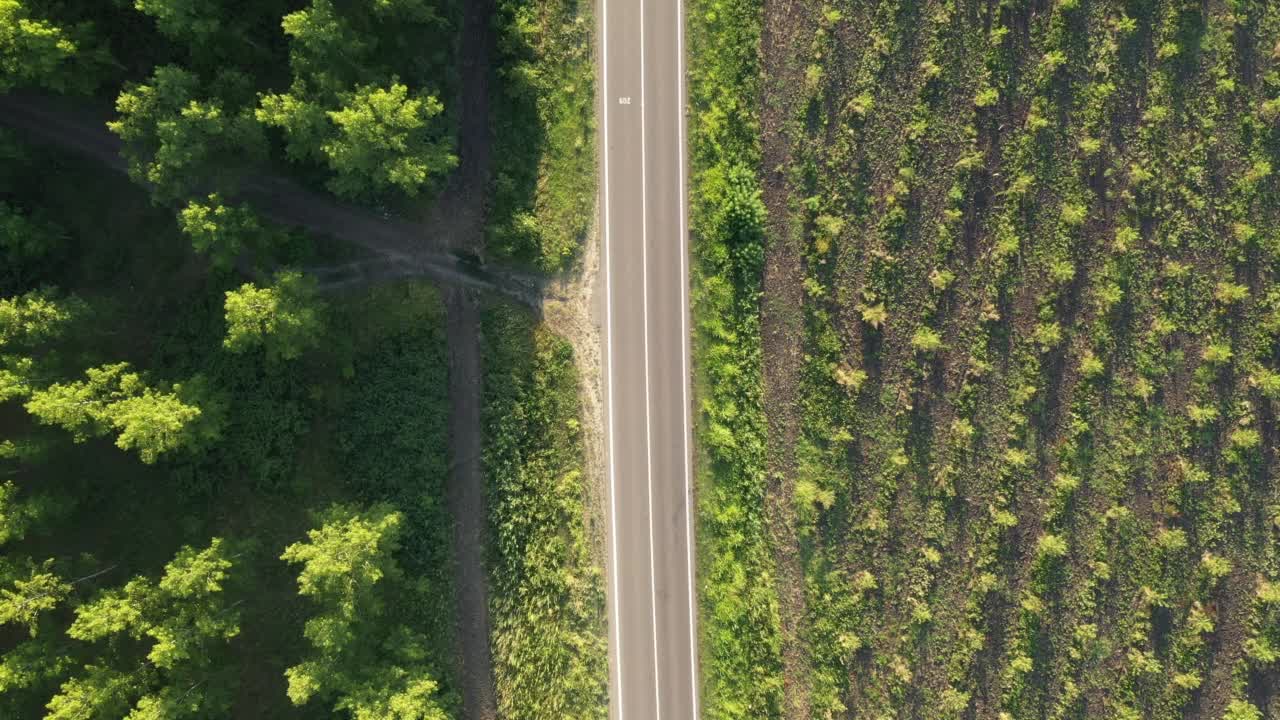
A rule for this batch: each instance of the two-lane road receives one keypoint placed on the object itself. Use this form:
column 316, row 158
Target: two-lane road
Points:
column 654, row 672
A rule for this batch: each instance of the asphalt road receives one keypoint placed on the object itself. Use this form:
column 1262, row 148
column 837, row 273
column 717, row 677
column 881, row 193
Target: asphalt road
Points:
column 654, row 673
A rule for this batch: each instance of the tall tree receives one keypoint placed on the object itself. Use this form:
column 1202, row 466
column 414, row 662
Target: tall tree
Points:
column 178, row 141
column 28, row 241
column 194, row 20
column 348, row 110
column 370, row 666
column 217, row 230
column 33, row 52
column 283, row 318
column 377, row 138
column 160, row 642
column 28, row 324
column 150, row 419
column 387, row 139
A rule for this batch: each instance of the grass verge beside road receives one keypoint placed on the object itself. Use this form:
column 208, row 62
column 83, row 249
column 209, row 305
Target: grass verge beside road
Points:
column 546, row 593
column 544, row 125
column 739, row 625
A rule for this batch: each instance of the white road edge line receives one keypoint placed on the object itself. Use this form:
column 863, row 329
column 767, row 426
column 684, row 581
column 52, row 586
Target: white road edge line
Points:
column 608, row 350
column 648, row 397
column 689, row 537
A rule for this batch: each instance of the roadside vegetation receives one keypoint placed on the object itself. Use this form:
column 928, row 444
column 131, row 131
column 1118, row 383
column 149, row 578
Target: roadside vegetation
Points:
column 739, row 623
column 1037, row 471
column 546, row 589
column 544, row 176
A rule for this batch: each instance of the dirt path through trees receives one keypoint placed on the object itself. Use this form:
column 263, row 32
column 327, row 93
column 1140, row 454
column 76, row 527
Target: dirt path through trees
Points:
column 460, row 212
column 402, row 248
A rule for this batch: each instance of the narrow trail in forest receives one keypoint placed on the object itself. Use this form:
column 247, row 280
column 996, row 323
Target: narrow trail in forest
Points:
column 461, row 208
column 403, row 248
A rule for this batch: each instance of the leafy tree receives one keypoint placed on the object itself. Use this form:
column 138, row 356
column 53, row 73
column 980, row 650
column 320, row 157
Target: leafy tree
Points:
column 371, row 667
column 100, row 692
column 378, row 139
column 385, row 140
column 217, row 230
column 32, row 51
column 34, row 318
column 283, row 318
column 152, row 420
column 181, row 621
column 27, row 241
column 323, row 46
column 195, row 20
column 175, row 139
column 40, row 591
column 348, row 111
column 28, row 323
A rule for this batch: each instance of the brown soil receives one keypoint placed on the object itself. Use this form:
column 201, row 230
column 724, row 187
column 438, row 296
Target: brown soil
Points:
column 570, row 308
column 786, row 23
column 461, row 205
column 465, row 498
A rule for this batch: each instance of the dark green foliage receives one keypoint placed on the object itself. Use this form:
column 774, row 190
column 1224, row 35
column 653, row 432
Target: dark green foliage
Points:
column 30, row 245
column 356, row 416
column 544, row 127
column 363, row 661
column 179, row 140
column 347, row 109
column 36, row 52
column 546, row 596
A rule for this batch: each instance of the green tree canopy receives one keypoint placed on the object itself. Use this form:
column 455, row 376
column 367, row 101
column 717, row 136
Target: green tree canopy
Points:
column 283, row 318
column 151, row 420
column 177, row 141
column 34, row 318
column 371, row 667
column 347, row 109
column 177, row 627
column 377, row 139
column 195, row 20
column 28, row 323
column 386, row 139
column 218, row 230
column 32, row 51
column 27, row 242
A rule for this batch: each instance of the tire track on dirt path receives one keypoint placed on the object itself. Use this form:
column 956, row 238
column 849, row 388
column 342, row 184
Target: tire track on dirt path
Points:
column 403, row 248
column 464, row 493
column 782, row 332
column 460, row 212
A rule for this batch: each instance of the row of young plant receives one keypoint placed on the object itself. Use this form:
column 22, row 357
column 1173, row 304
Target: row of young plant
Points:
column 1004, row 307
column 546, row 590
column 739, row 623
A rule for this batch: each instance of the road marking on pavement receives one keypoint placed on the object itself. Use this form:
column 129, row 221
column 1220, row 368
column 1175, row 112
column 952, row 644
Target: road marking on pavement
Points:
column 608, row 351
column 684, row 354
column 648, row 397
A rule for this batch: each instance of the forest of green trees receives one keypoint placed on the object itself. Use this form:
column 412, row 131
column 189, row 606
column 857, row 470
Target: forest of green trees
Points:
column 222, row 463
column 988, row 334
